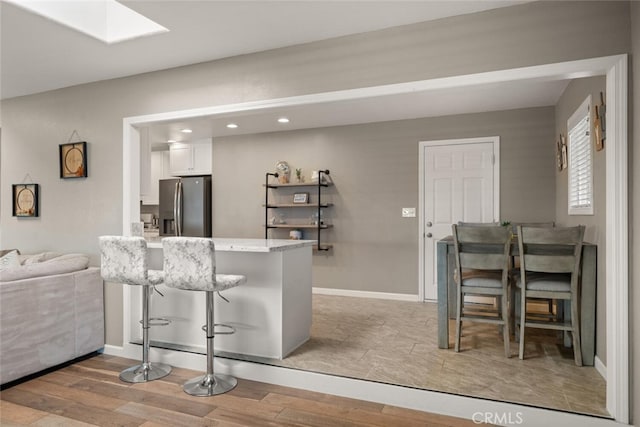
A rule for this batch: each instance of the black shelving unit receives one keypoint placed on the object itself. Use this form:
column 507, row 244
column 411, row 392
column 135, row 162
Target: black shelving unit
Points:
column 322, row 182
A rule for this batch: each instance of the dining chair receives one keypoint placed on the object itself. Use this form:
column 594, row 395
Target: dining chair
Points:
column 481, row 305
column 482, row 262
column 550, row 268
column 516, row 267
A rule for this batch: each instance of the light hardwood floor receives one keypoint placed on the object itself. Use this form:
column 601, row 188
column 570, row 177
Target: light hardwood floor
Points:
column 89, row 393
column 396, row 342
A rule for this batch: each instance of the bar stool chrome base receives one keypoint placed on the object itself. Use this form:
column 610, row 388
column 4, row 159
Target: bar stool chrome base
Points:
column 210, row 385
column 145, row 372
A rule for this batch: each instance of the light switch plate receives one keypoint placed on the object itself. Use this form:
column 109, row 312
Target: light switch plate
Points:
column 408, row 212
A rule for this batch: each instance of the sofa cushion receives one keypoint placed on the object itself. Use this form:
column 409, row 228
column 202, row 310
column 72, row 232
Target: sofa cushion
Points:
column 58, row 265
column 36, row 258
column 3, row 252
column 9, row 261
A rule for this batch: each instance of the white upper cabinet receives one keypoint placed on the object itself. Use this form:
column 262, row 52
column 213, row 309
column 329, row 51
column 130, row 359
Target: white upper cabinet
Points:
column 159, row 170
column 192, row 158
column 180, row 159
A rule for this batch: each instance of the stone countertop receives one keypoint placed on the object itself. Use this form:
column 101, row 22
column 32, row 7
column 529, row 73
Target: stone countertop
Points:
column 245, row 245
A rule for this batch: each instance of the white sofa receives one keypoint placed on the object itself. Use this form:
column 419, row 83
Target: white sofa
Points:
column 51, row 312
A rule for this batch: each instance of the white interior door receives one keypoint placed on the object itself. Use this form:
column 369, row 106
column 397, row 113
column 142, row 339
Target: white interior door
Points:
column 460, row 182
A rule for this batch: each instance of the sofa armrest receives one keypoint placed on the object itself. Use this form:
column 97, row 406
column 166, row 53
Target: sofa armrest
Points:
column 89, row 297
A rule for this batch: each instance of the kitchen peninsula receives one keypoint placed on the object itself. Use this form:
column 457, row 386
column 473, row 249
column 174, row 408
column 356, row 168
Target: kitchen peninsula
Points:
column 271, row 313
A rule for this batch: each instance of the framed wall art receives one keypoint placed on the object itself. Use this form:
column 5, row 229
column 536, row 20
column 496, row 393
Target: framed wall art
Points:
column 301, row 198
column 599, row 123
column 73, row 160
column 561, row 153
column 563, row 143
column 25, row 200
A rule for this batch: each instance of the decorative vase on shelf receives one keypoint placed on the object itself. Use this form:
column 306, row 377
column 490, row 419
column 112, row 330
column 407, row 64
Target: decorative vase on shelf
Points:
column 283, row 178
column 284, row 172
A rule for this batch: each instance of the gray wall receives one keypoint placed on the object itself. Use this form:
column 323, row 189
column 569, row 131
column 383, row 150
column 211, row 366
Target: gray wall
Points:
column 573, row 96
column 75, row 212
column 634, row 205
column 375, row 170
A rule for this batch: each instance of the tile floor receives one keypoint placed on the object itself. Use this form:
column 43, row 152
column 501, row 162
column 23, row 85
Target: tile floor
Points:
column 395, row 342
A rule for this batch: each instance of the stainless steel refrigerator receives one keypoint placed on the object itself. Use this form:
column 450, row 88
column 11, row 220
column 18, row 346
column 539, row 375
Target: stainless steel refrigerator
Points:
column 185, row 206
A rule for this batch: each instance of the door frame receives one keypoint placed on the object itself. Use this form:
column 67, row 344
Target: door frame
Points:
column 615, row 67
column 422, row 149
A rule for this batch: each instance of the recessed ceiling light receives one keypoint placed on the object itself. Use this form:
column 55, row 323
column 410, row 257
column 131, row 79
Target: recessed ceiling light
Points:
column 171, row 141
column 105, row 20
column 232, row 126
column 283, row 120
column 186, row 130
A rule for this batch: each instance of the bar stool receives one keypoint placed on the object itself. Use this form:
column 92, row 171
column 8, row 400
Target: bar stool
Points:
column 123, row 260
column 190, row 264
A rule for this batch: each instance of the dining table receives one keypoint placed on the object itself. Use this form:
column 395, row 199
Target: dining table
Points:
column 445, row 258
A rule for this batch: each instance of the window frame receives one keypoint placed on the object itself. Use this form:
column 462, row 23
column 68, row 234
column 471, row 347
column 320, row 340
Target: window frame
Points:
column 582, row 112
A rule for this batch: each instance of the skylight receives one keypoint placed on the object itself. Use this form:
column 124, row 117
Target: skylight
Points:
column 105, row 20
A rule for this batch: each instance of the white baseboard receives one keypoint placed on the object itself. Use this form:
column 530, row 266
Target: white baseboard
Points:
column 120, row 351
column 600, row 367
column 365, row 294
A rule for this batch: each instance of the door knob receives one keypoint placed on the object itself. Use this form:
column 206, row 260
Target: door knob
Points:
column 429, row 235
column 429, row 224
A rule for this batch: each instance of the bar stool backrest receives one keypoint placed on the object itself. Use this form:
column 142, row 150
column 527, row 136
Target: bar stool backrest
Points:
column 123, row 259
column 189, row 263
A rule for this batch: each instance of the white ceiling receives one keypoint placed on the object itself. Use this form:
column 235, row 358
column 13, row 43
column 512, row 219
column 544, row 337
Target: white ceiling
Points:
column 39, row 55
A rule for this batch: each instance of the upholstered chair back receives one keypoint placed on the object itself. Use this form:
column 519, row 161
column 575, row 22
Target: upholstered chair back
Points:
column 123, row 259
column 190, row 263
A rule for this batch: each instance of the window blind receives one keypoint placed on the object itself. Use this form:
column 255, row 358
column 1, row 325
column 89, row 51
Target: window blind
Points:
column 580, row 163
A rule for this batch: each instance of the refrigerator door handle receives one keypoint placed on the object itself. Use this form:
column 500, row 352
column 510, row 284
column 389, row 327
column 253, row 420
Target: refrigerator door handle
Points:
column 180, row 208
column 177, row 208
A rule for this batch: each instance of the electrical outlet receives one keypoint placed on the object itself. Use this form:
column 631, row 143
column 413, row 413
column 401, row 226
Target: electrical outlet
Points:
column 408, row 212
